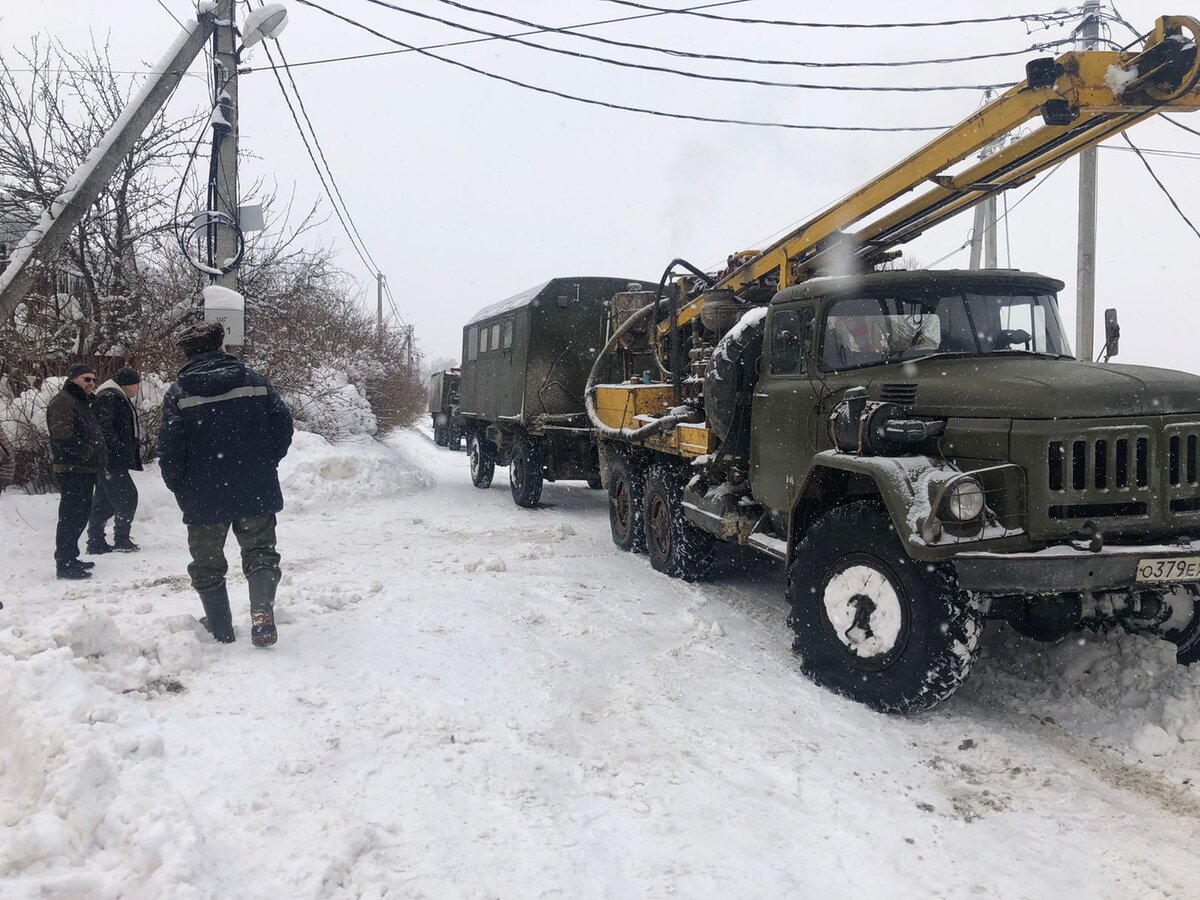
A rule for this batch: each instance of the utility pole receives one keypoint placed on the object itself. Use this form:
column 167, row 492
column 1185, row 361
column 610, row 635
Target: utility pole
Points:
column 983, row 235
column 225, row 143
column 379, row 304
column 1085, row 288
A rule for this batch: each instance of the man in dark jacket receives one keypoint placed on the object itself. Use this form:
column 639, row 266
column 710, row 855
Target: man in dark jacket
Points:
column 224, row 431
column 116, row 494
column 78, row 447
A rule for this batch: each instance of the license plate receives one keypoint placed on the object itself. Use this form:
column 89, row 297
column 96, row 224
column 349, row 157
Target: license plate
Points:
column 1172, row 568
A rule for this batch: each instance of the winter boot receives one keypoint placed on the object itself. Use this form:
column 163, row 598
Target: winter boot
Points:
column 262, row 606
column 218, row 620
column 73, row 572
column 95, row 548
column 125, row 545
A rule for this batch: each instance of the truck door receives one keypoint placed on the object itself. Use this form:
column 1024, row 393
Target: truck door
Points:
column 780, row 447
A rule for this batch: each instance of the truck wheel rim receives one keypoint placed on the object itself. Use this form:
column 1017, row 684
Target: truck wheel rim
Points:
column 474, row 457
column 863, row 609
column 516, row 473
column 621, row 505
column 660, row 525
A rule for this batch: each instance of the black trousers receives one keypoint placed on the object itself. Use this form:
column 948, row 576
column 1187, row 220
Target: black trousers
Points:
column 74, row 507
column 116, row 496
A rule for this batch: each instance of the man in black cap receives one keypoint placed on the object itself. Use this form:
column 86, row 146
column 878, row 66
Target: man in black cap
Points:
column 224, row 431
column 116, row 494
column 78, row 447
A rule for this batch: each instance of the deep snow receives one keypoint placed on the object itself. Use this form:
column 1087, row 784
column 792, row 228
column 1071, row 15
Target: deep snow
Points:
column 474, row 700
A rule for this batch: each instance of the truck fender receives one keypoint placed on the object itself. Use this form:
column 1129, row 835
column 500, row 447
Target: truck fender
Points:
column 901, row 482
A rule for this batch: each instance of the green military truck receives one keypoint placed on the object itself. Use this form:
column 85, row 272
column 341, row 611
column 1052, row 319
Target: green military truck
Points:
column 923, row 452
column 443, row 408
column 524, row 364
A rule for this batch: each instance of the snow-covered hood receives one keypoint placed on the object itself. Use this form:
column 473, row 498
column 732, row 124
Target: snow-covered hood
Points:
column 1022, row 387
column 210, row 374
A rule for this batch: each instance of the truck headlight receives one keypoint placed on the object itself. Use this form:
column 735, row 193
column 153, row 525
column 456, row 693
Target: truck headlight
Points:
column 963, row 501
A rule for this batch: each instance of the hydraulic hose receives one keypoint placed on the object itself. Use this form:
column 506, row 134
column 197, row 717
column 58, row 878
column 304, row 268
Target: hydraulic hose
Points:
column 630, row 434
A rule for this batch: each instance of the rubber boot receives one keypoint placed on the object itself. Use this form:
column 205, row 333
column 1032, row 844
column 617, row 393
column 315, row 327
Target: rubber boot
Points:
column 262, row 607
column 218, row 620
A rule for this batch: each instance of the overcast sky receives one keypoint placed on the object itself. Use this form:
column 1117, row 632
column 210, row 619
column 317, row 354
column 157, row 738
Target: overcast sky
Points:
column 467, row 190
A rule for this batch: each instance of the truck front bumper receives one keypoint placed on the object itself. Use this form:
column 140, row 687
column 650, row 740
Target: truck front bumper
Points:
column 1065, row 570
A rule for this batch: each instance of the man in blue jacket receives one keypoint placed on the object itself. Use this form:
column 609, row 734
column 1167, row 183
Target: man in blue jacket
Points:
column 224, row 431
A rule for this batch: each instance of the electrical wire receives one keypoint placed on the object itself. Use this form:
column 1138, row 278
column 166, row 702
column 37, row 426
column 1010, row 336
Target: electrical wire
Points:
column 167, row 10
column 324, row 161
column 1178, row 124
column 1162, row 187
column 1059, row 17
column 1169, row 154
column 1004, row 218
column 316, row 165
column 618, row 106
column 539, row 28
column 625, row 64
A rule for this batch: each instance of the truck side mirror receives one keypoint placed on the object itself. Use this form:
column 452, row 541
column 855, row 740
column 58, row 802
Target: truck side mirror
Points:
column 1112, row 334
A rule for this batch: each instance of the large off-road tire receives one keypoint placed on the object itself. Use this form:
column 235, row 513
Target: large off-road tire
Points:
column 675, row 547
column 482, row 456
column 1184, row 630
column 525, row 473
column 872, row 624
column 626, row 487
column 454, row 435
column 439, row 434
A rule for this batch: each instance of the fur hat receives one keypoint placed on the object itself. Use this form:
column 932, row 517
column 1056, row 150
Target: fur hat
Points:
column 126, row 376
column 203, row 337
column 80, row 369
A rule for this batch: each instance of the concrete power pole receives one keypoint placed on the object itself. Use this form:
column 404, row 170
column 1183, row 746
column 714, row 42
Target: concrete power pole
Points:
column 1085, row 290
column 226, row 144
column 983, row 235
column 379, row 304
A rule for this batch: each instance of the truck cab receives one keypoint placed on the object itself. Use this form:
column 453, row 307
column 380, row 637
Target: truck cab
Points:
column 932, row 435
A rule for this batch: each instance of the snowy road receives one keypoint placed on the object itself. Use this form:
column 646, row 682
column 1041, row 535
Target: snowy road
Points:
column 473, row 700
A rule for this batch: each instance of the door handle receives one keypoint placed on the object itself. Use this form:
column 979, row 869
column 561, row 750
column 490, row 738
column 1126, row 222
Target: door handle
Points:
column 759, row 394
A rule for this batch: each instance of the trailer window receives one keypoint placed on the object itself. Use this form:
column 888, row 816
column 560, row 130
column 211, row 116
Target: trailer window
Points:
column 483, row 333
column 507, row 334
column 791, row 335
column 472, row 343
column 496, row 336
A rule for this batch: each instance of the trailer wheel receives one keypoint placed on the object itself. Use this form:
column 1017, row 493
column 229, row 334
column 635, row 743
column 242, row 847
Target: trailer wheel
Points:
column 872, row 624
column 454, row 435
column 439, row 434
column 675, row 546
column 626, row 485
column 483, row 460
column 525, row 473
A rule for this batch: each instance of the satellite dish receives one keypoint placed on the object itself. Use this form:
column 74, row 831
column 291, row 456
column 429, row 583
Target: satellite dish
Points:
column 265, row 22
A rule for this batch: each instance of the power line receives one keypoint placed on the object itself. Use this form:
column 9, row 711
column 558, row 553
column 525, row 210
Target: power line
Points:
column 167, row 10
column 1059, row 17
column 1179, row 124
column 728, row 79
column 539, row 28
column 443, row 46
column 1004, row 218
column 316, row 165
column 324, row 161
column 1162, row 187
column 1170, row 154
column 617, row 106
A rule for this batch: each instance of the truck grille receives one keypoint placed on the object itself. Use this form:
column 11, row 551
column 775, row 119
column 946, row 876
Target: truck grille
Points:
column 1107, row 474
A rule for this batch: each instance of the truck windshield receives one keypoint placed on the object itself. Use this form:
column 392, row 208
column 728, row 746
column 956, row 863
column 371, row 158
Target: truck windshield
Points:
column 871, row 331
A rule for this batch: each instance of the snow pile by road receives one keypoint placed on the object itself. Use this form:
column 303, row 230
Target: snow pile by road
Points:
column 316, row 474
column 85, row 809
column 1119, row 690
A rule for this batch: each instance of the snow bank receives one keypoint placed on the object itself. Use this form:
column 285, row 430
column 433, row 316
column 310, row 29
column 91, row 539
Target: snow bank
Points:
column 316, row 473
column 1121, row 691
column 85, row 809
